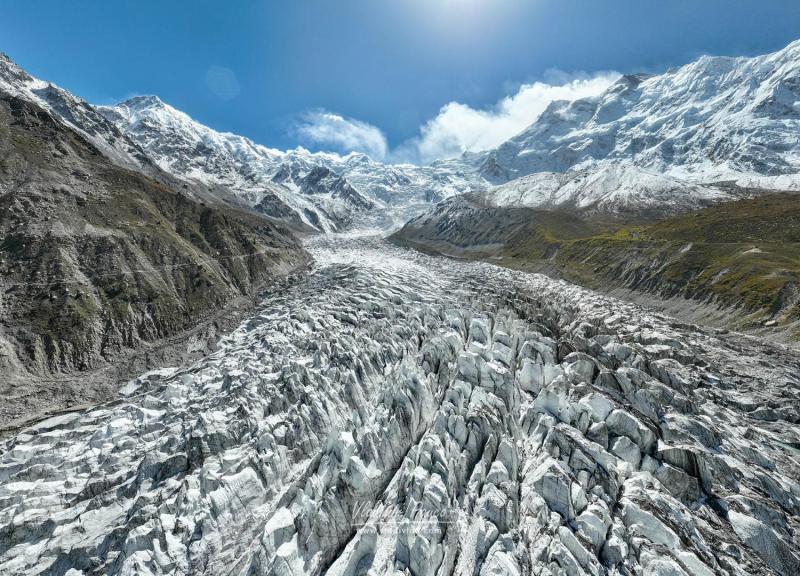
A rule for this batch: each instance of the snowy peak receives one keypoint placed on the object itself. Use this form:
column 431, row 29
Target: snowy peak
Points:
column 187, row 149
column 297, row 186
column 143, row 102
column 710, row 119
column 183, row 146
column 12, row 74
column 133, row 109
column 273, row 181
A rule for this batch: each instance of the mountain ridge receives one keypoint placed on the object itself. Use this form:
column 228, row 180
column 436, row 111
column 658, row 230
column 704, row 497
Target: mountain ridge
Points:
column 682, row 132
column 191, row 150
column 687, row 122
column 100, row 261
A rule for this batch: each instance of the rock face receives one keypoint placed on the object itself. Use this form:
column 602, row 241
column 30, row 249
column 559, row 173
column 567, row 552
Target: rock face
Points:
column 336, row 204
column 393, row 413
column 97, row 260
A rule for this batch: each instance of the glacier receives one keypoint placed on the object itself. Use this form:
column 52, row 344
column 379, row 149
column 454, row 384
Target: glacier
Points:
column 397, row 413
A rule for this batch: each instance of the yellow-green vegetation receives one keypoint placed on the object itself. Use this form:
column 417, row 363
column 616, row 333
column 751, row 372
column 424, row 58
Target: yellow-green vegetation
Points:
column 770, row 218
column 743, row 254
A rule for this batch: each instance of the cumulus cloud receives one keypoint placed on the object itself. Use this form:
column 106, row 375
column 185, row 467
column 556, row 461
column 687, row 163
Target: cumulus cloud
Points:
column 457, row 128
column 460, row 128
column 329, row 130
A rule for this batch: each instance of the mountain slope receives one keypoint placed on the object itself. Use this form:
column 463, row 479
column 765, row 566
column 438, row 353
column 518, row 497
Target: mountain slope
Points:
column 97, row 260
column 715, row 118
column 76, row 113
column 609, row 189
column 739, row 259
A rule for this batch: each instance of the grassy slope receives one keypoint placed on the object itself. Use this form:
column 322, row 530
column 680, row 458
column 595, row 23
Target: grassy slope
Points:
column 743, row 255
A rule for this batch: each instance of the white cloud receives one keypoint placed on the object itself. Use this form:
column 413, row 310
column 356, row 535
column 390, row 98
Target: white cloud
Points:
column 327, row 129
column 457, row 128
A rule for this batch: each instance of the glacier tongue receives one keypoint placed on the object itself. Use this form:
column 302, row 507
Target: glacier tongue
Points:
column 397, row 413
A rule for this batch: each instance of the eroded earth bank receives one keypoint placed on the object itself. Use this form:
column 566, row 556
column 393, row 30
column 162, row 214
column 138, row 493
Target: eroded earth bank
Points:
column 393, row 412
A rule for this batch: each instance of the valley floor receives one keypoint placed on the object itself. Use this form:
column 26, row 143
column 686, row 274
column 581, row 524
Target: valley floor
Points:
column 393, row 411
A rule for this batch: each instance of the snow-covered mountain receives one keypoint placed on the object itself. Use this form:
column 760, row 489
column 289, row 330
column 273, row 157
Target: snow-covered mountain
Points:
column 715, row 119
column 273, row 180
column 146, row 134
column 659, row 143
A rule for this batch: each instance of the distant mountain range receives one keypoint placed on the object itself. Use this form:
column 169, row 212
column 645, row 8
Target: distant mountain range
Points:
column 658, row 143
column 288, row 184
column 145, row 134
column 711, row 120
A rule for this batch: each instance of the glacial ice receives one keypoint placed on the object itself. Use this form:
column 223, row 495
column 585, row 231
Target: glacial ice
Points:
column 396, row 413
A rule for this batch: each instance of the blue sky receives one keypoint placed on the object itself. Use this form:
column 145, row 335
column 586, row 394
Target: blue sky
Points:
column 278, row 70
